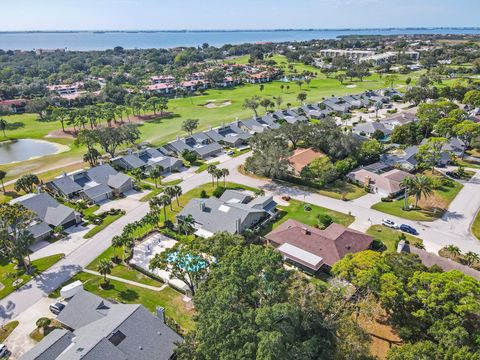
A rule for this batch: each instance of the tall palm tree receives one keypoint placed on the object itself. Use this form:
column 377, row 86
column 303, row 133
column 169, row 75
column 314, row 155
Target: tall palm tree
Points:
column 117, row 242
column 225, row 173
column 156, row 174
column 453, row 250
column 218, row 174
column 164, row 201
column 211, row 169
column 177, row 191
column 104, row 268
column 407, row 185
column 472, row 258
column 187, row 224
column 422, row 187
column 170, row 191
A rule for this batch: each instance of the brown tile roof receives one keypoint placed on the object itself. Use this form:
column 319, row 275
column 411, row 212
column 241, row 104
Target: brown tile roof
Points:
column 331, row 244
column 388, row 182
column 303, row 157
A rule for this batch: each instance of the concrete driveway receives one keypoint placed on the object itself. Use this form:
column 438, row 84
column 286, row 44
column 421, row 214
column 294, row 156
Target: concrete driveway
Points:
column 19, row 341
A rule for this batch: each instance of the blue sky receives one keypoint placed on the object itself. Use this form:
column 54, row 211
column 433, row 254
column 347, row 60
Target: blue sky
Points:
column 229, row 14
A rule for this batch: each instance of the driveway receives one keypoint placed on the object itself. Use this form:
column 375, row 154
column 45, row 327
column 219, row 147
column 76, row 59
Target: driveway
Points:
column 19, row 341
column 128, row 203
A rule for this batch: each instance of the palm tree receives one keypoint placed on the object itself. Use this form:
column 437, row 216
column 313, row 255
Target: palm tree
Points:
column 104, row 268
column 3, row 126
column 187, row 224
column 43, row 323
column 171, row 194
column 453, row 250
column 407, row 185
column 137, row 175
column 422, row 187
column 225, row 173
column 117, row 242
column 164, row 201
column 218, row 174
column 156, row 174
column 177, row 191
column 2, row 176
column 471, row 258
column 211, row 169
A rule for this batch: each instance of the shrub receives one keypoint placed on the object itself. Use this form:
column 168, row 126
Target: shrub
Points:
column 448, row 182
column 386, row 199
column 218, row 191
column 324, row 220
column 203, row 194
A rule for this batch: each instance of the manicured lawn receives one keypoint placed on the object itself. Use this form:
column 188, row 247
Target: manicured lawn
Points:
column 430, row 209
column 38, row 334
column 107, row 221
column 237, row 153
column 343, row 190
column 204, row 166
column 121, row 270
column 297, row 212
column 468, row 164
column 8, row 273
column 389, row 237
column 168, row 298
column 7, row 329
column 476, row 226
column 172, row 183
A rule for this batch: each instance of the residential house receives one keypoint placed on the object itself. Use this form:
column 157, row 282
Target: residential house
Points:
column 146, row 159
column 453, row 147
column 65, row 89
column 95, row 328
column 312, row 249
column 369, row 128
column 198, row 143
column 313, row 111
column 49, row 212
column 302, row 158
column 403, row 159
column 160, row 88
column 258, row 78
column 399, row 119
column 163, row 79
column 230, row 135
column 233, row 212
column 16, row 106
column 289, row 116
column 95, row 184
column 386, row 184
column 337, row 105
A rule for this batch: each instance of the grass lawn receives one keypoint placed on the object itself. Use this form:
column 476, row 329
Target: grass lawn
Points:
column 168, row 298
column 38, row 334
column 343, row 190
column 237, row 153
column 162, row 130
column 476, row 226
column 297, row 212
column 107, row 221
column 8, row 273
column 7, row 329
column 468, row 164
column 429, row 209
column 389, row 236
column 204, row 166
column 121, row 270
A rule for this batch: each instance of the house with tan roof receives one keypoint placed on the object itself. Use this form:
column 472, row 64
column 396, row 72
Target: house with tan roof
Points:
column 387, row 183
column 302, row 158
column 312, row 249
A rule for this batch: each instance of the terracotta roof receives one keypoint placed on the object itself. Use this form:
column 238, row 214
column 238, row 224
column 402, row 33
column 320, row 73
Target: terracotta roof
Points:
column 303, row 157
column 160, row 86
column 16, row 102
column 388, row 182
column 331, row 244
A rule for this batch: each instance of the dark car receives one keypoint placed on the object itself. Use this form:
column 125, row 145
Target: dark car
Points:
column 452, row 174
column 56, row 308
column 408, row 229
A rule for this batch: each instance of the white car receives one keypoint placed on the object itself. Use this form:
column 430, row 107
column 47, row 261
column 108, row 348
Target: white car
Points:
column 3, row 350
column 390, row 224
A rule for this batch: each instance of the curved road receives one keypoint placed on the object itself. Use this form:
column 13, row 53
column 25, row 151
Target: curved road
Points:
column 452, row 228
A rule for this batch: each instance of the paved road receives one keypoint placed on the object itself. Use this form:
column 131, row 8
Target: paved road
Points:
column 453, row 228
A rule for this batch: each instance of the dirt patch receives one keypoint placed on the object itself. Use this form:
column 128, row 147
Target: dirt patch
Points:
column 383, row 337
column 214, row 104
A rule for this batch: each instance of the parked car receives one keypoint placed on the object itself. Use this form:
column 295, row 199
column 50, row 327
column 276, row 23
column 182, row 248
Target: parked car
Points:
column 452, row 174
column 390, row 224
column 408, row 229
column 56, row 308
column 3, row 350
column 230, row 152
column 286, row 198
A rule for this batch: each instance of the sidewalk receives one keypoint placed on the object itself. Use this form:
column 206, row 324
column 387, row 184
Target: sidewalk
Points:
column 130, row 282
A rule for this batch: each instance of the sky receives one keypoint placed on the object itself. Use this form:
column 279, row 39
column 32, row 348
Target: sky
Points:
column 21, row 15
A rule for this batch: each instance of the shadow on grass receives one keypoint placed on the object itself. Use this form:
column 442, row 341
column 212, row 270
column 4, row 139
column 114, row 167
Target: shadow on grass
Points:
column 15, row 125
column 128, row 295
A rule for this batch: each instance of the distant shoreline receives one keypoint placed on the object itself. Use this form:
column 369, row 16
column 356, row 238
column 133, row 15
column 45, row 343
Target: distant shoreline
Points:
column 234, row 30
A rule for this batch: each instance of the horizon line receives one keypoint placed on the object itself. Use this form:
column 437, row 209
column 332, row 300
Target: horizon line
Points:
column 249, row 30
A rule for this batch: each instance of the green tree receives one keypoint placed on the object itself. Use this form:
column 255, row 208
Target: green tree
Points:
column 453, row 250
column 177, row 192
column 43, row 323
column 137, row 175
column 472, row 258
column 370, row 152
column 265, row 103
column 3, row 126
column 186, row 224
column 472, row 98
column 407, row 184
column 431, row 152
column 301, row 97
column 467, row 131
column 252, row 104
column 27, row 183
column 156, row 174
column 91, row 157
column 105, row 267
column 3, row 174
column 422, row 187
column 117, row 242
column 60, row 114
column 225, row 173
column 163, row 105
column 190, row 125
column 211, row 169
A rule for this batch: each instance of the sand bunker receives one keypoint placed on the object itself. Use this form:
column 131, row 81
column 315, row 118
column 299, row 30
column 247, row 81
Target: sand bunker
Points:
column 214, row 105
column 351, row 86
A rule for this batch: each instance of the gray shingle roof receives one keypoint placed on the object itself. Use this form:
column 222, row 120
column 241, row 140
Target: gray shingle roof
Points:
column 66, row 185
column 51, row 346
column 96, row 191
column 39, row 229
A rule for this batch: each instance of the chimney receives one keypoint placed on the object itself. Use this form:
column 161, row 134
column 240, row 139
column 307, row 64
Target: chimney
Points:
column 38, row 189
column 306, row 231
column 161, row 313
column 202, row 205
column 400, row 246
column 237, row 224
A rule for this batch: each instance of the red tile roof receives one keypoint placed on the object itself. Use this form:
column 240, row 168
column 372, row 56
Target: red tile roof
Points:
column 331, row 244
column 303, row 157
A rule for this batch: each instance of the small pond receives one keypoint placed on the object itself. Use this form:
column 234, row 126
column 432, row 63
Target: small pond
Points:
column 24, row 149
